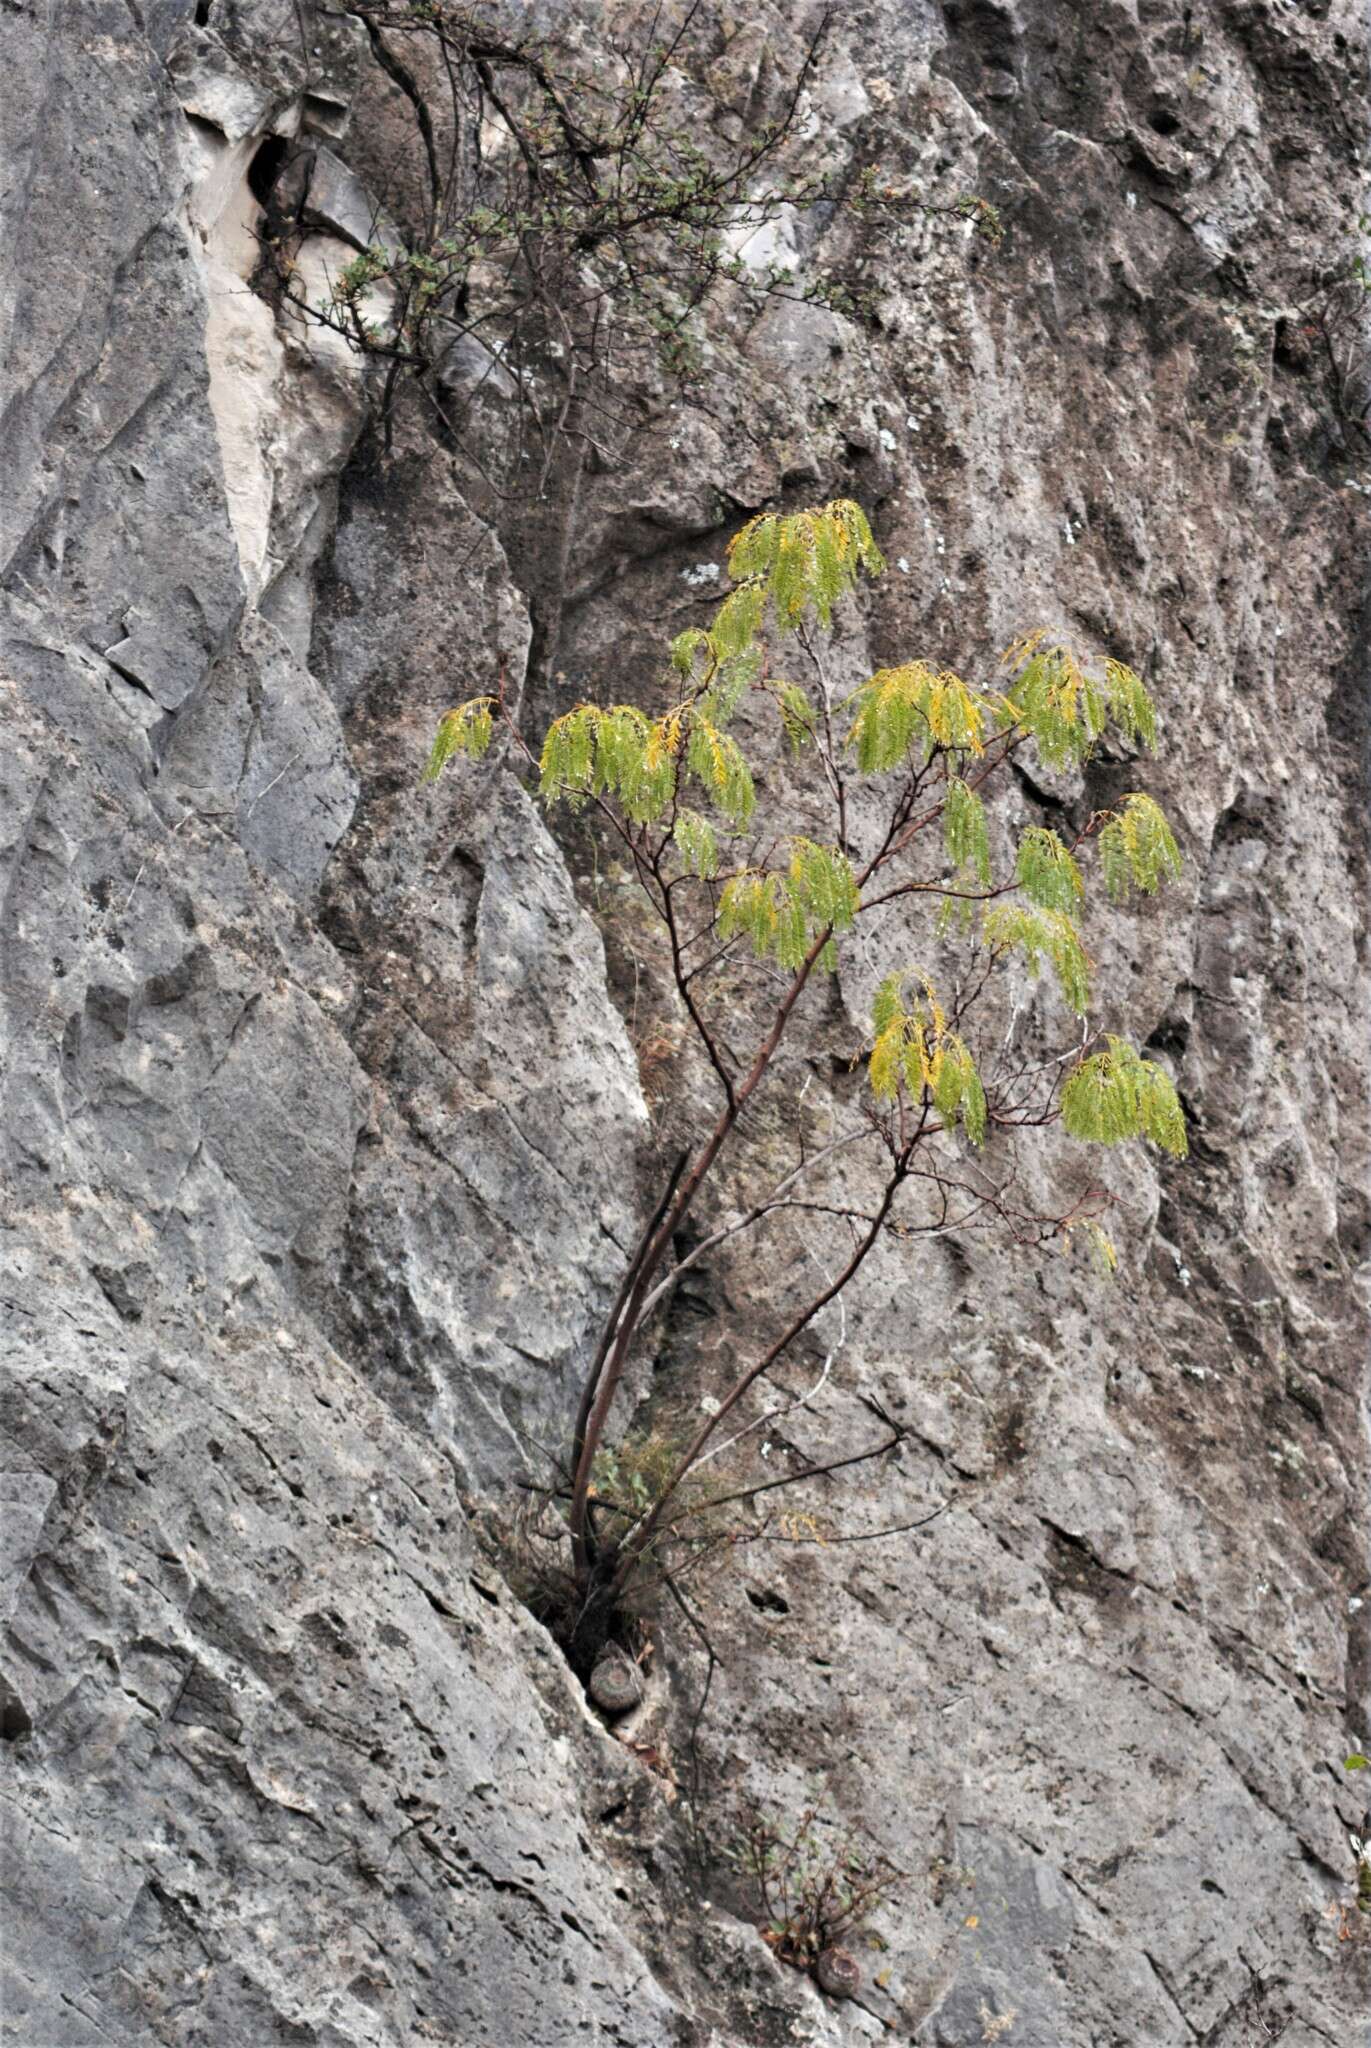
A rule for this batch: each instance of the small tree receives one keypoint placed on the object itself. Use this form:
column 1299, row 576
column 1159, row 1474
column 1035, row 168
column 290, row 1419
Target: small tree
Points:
column 944, row 1113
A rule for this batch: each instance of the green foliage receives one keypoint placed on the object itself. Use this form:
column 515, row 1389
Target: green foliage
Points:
column 737, row 621
column 782, row 914
column 797, row 716
column 1065, row 709
column 1138, row 849
column 357, row 278
column 592, row 751
column 717, row 764
column 913, row 708
column 627, row 1479
column 823, row 881
column 697, row 845
column 984, row 218
column 800, row 562
column 964, row 830
column 763, row 908
column 1117, row 1094
column 467, row 730
column 1131, row 706
column 1039, row 935
column 728, row 683
column 689, row 648
column 788, row 565
column 915, row 1049
column 1047, row 873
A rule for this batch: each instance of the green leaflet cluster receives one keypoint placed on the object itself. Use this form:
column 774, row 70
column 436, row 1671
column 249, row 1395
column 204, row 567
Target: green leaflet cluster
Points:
column 1043, row 935
column 797, row 716
column 964, row 831
column 1138, row 849
column 1047, row 872
column 722, row 679
column 697, row 844
column 1066, row 709
column 913, row 708
column 782, row 914
column 1117, row 1094
column 467, row 730
column 638, row 760
column 915, row 1050
column 798, row 562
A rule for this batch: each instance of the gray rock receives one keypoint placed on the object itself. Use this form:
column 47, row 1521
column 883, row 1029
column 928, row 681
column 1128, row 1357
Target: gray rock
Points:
column 111, row 443
column 338, row 201
column 211, row 86
column 616, row 1683
column 264, row 745
column 322, row 1139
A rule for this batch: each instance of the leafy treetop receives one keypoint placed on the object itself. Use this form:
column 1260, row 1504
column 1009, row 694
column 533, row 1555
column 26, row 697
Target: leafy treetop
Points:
column 787, row 569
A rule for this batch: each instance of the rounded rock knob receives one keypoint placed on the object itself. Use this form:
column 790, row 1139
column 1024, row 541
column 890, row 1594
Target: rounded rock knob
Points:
column 839, row 1973
column 616, row 1683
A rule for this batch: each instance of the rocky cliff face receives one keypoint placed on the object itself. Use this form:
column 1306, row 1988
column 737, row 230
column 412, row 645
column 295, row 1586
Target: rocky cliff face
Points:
column 325, row 1127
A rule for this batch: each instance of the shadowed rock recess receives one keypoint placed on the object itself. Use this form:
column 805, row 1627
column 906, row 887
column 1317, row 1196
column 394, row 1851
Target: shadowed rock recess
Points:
column 325, row 1136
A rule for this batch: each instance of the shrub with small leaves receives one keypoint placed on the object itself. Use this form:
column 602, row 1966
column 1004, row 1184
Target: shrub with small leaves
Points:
column 573, row 212
column 813, row 1883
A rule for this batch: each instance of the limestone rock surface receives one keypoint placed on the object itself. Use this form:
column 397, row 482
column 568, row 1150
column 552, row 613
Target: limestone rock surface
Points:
column 324, row 1125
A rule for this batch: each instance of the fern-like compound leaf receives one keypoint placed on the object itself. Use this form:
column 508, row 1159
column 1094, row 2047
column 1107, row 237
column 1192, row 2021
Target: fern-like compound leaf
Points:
column 913, row 707
column 964, row 830
column 802, row 561
column 915, row 1049
column 731, row 681
column 783, row 914
column 1138, row 848
column 1043, row 935
column 467, row 730
column 716, row 762
column 696, row 844
column 763, row 909
column 823, row 883
column 688, row 649
column 1131, row 707
column 797, row 716
column 1047, row 873
column 1057, row 702
column 1117, row 1094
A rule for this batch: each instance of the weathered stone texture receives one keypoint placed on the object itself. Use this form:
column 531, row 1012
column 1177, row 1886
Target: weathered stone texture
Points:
column 324, row 1140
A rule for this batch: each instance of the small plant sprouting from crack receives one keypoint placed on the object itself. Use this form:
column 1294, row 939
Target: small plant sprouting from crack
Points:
column 813, row 1885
